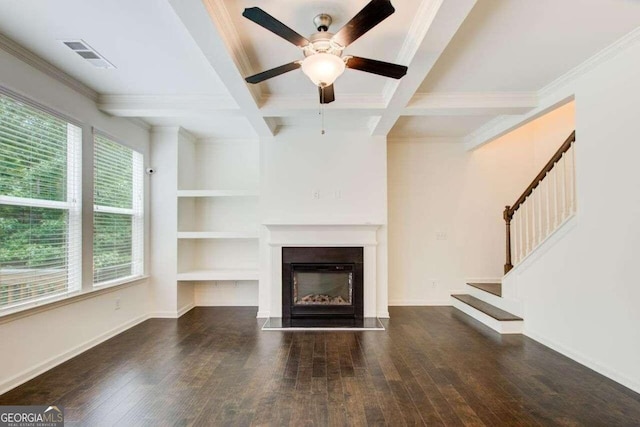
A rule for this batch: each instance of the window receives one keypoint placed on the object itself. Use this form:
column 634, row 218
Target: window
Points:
column 40, row 206
column 118, row 211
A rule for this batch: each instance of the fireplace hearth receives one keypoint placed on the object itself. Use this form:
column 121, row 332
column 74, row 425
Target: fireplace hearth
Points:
column 322, row 283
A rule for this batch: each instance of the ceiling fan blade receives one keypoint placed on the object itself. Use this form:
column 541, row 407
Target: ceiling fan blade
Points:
column 371, row 15
column 260, row 77
column 267, row 21
column 327, row 94
column 380, row 68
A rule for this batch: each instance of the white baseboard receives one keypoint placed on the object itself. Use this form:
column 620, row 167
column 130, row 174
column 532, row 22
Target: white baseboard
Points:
column 586, row 361
column 185, row 309
column 48, row 364
column 382, row 314
column 263, row 315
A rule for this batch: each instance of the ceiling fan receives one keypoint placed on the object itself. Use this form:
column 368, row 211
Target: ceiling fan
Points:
column 323, row 62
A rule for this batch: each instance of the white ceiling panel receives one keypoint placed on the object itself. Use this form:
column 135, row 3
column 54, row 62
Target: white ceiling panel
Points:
column 522, row 45
column 152, row 51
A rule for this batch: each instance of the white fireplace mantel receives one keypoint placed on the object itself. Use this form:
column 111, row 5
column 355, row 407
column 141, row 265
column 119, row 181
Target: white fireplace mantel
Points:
column 356, row 234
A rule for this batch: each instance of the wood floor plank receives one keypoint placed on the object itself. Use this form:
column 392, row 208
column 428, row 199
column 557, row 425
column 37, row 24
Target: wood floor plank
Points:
column 432, row 366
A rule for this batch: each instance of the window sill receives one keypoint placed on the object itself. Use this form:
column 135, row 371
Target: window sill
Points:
column 71, row 298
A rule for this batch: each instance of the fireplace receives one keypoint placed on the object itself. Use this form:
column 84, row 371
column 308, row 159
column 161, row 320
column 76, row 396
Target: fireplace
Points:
column 322, row 283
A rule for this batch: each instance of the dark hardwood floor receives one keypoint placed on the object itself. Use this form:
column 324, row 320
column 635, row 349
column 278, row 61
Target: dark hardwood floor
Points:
column 432, row 366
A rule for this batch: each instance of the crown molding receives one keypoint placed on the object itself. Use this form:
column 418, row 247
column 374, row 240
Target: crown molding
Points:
column 45, row 67
column 620, row 45
column 166, row 105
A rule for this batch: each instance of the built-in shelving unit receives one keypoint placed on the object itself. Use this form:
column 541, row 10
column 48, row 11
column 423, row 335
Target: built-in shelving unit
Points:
column 218, row 218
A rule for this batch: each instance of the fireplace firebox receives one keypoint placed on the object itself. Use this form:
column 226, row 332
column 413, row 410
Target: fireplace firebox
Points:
column 322, row 283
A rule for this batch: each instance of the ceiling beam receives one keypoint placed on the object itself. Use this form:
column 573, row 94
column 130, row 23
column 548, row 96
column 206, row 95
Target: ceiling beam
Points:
column 353, row 105
column 434, row 26
column 168, row 105
column 210, row 26
column 471, row 104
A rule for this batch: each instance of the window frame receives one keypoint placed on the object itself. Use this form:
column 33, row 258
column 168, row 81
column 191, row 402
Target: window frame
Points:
column 136, row 212
column 73, row 206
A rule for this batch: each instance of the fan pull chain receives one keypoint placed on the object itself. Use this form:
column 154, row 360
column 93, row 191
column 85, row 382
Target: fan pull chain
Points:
column 321, row 112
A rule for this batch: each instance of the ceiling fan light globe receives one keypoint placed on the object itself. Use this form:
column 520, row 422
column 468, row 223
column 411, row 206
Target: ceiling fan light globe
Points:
column 323, row 68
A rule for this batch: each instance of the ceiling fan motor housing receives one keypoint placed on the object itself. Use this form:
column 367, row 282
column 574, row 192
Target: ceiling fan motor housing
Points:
column 322, row 22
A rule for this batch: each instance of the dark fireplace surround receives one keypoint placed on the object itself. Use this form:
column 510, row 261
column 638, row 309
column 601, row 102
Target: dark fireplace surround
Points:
column 322, row 283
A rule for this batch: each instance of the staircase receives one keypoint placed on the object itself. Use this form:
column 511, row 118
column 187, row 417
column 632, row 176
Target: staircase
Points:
column 475, row 305
column 547, row 203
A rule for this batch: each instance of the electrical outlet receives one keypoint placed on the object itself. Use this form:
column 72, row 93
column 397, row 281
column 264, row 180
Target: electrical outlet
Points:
column 441, row 235
column 337, row 194
column 118, row 303
column 434, row 284
column 316, row 194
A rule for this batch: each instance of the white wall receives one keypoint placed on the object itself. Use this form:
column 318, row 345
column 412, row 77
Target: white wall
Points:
column 581, row 291
column 336, row 178
column 445, row 206
column 348, row 170
column 33, row 344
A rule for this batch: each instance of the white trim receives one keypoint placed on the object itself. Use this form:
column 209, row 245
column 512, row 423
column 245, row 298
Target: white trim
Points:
column 263, row 315
column 54, row 361
column 35, row 203
column 184, row 310
column 610, row 373
column 45, row 67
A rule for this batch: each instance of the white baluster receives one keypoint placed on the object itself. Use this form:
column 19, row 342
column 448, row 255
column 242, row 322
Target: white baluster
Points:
column 514, row 240
column 522, row 231
column 572, row 176
column 563, row 187
column 546, row 182
column 531, row 201
column 554, row 173
column 540, row 192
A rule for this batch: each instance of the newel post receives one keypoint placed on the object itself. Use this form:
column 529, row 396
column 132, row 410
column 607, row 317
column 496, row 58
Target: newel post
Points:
column 508, row 215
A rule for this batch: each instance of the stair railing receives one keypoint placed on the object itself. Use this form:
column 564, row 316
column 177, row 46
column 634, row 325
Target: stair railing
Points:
column 546, row 203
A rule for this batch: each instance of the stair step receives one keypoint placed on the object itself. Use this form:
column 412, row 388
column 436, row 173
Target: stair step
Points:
column 492, row 288
column 487, row 309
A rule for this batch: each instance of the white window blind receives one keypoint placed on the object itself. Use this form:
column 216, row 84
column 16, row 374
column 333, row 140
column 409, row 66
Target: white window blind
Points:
column 118, row 224
column 40, row 206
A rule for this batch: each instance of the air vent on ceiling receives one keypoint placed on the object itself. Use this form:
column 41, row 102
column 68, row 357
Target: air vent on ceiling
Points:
column 88, row 53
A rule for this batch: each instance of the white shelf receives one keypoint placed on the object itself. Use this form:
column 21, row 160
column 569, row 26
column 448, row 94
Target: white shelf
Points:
column 207, row 275
column 218, row 235
column 217, row 193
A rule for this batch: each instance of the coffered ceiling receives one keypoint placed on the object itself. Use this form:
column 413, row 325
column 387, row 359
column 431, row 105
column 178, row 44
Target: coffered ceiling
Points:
column 183, row 62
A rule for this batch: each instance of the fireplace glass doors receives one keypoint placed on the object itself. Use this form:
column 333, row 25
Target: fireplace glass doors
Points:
column 322, row 284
